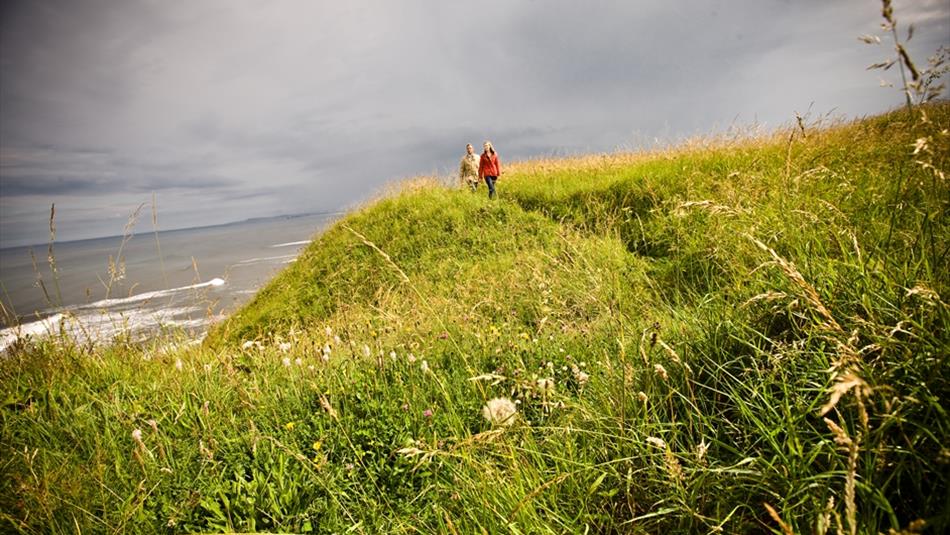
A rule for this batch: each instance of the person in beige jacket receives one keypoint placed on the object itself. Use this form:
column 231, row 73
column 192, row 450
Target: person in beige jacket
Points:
column 468, row 168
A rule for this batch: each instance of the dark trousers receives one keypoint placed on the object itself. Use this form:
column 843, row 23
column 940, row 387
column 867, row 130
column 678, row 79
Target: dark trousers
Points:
column 490, row 180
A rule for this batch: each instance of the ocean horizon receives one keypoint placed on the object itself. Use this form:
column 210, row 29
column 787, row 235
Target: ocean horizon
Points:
column 143, row 285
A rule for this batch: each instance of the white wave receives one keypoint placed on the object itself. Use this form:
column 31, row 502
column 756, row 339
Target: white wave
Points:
column 145, row 296
column 103, row 326
column 292, row 243
column 264, row 259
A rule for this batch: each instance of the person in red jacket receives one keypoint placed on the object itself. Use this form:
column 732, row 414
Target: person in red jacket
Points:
column 489, row 168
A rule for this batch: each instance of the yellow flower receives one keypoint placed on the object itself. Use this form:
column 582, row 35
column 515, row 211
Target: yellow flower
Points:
column 289, row 426
column 316, row 445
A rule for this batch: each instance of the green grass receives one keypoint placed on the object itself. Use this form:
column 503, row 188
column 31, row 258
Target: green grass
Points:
column 694, row 307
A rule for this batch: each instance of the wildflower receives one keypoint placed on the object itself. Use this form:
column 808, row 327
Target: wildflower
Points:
column 284, row 347
column 137, row 436
column 424, row 367
column 298, row 361
column 411, row 358
column 289, row 426
column 178, row 364
column 247, row 345
column 701, row 450
column 580, row 376
column 366, row 351
column 310, row 367
column 326, row 349
column 325, row 357
column 329, row 331
column 661, row 371
column 405, row 406
column 546, row 385
column 427, row 413
column 337, row 341
column 642, row 397
column 286, row 361
column 392, row 355
column 500, row 411
column 317, row 445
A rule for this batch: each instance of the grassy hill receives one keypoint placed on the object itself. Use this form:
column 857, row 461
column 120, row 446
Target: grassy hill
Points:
column 741, row 334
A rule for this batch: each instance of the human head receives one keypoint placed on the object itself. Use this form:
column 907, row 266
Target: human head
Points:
column 469, row 149
column 489, row 148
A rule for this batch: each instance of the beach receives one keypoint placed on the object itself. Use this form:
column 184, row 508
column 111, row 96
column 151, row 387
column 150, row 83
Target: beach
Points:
column 173, row 282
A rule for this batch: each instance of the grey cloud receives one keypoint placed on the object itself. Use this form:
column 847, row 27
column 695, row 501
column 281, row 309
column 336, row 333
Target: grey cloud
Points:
column 234, row 109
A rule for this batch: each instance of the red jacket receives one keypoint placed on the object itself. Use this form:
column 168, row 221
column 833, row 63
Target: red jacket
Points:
column 489, row 165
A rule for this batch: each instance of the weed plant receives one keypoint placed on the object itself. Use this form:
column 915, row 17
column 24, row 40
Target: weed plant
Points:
column 734, row 335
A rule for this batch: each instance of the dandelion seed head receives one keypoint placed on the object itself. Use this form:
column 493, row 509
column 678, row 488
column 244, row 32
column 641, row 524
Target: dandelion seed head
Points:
column 500, row 411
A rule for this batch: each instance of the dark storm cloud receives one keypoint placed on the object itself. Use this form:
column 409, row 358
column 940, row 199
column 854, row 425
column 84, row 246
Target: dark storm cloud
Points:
column 230, row 109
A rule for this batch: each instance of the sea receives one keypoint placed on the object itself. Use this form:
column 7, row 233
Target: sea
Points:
column 171, row 284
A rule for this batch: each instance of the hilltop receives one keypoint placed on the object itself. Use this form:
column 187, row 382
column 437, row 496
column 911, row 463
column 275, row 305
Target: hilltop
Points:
column 736, row 334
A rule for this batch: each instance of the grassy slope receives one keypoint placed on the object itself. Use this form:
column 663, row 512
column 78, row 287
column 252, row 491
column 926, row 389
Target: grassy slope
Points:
column 643, row 271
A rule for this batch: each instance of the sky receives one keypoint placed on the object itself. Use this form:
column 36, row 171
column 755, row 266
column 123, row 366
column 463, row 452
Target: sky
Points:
column 225, row 110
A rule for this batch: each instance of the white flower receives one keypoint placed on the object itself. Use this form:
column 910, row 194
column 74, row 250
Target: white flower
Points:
column 325, row 357
column 424, row 367
column 411, row 358
column 337, row 341
column 284, row 347
column 298, row 361
column 329, row 331
column 137, row 435
column 658, row 442
column 580, row 376
column 178, row 364
column 326, row 349
column 247, row 345
column 366, row 351
column 500, row 411
column 392, row 355
column 286, row 361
